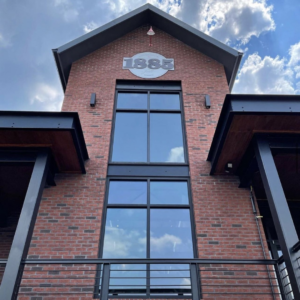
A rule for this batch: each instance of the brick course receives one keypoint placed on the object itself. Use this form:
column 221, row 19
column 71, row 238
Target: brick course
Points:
column 69, row 219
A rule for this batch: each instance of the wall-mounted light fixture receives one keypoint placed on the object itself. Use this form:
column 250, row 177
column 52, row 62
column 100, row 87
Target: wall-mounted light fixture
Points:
column 93, row 100
column 228, row 167
column 207, row 101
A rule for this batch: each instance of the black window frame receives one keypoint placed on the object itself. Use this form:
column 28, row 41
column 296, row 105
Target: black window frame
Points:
column 148, row 206
column 148, row 90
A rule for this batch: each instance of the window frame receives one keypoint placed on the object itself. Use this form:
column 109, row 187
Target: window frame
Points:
column 148, row 90
column 148, row 207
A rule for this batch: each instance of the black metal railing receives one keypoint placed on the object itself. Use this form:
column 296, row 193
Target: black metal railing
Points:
column 152, row 278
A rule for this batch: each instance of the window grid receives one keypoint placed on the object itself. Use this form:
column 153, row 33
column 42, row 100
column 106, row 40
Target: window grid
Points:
column 149, row 111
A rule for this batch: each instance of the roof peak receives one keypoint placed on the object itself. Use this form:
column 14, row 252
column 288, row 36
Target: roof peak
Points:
column 147, row 13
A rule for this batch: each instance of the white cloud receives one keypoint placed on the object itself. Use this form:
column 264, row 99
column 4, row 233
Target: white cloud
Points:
column 46, row 97
column 165, row 241
column 90, row 26
column 4, row 42
column 270, row 75
column 67, row 9
column 176, row 155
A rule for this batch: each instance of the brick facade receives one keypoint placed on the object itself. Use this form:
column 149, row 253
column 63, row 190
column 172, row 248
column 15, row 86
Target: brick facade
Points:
column 69, row 218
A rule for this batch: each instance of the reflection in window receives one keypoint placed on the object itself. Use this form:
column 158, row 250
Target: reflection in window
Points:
column 164, row 101
column 170, row 233
column 125, row 233
column 132, row 100
column 166, row 140
column 168, row 192
column 130, row 138
column 170, row 279
column 127, row 279
column 127, row 192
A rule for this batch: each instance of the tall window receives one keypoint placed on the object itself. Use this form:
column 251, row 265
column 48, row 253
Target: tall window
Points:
column 148, row 209
column 148, row 128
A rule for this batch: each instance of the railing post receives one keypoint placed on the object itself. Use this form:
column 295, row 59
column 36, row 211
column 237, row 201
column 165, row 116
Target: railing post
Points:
column 195, row 282
column 22, row 238
column 105, row 282
column 281, row 215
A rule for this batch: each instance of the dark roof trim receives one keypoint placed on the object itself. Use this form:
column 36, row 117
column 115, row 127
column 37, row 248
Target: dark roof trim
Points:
column 28, row 120
column 236, row 104
column 146, row 14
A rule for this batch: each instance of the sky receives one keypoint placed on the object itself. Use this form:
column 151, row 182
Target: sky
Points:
column 266, row 31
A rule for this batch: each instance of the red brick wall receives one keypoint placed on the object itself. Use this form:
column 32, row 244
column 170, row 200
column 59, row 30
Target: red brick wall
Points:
column 69, row 220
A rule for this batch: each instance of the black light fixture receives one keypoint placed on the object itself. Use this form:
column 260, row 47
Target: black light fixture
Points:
column 93, row 100
column 207, row 101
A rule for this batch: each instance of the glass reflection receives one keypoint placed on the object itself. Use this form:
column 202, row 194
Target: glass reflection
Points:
column 130, row 138
column 164, row 101
column 170, row 233
column 166, row 140
column 170, row 279
column 132, row 100
column 168, row 192
column 125, row 233
column 127, row 192
column 127, row 279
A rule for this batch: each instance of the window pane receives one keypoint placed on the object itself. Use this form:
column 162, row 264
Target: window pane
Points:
column 162, row 283
column 122, row 281
column 164, row 101
column 170, row 233
column 125, row 233
column 127, row 192
column 169, row 192
column 130, row 139
column 166, row 141
column 132, row 100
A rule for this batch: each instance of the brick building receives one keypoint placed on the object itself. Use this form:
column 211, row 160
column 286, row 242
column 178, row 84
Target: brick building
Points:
column 152, row 181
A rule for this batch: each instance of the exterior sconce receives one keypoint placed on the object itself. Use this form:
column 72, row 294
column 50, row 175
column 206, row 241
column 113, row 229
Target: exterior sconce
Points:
column 93, row 100
column 228, row 167
column 207, row 101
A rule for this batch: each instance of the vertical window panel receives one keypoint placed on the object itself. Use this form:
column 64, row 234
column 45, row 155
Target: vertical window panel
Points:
column 170, row 233
column 125, row 233
column 166, row 140
column 130, row 137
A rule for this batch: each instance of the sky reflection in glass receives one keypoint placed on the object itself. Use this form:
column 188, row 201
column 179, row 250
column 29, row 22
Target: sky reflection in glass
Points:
column 168, row 192
column 125, row 233
column 164, row 101
column 132, row 100
column 170, row 233
column 130, row 138
column 127, row 192
column 166, row 141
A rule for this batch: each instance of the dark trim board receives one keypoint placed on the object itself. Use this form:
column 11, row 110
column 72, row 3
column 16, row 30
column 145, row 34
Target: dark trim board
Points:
column 256, row 105
column 147, row 14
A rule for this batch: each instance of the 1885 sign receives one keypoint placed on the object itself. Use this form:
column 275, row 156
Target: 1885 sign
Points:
column 148, row 64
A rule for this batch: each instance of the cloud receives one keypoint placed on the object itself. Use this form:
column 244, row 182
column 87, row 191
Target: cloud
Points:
column 46, row 97
column 176, row 155
column 4, row 42
column 270, row 75
column 67, row 9
column 88, row 27
column 165, row 241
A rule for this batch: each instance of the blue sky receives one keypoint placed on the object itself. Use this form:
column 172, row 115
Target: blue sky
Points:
column 267, row 31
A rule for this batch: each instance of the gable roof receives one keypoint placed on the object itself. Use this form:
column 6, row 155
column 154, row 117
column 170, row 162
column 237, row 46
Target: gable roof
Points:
column 146, row 14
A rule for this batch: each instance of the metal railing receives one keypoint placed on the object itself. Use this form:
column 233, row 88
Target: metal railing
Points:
column 151, row 278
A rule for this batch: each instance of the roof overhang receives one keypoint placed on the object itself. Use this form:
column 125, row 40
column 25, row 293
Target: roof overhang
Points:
column 146, row 14
column 58, row 131
column 244, row 116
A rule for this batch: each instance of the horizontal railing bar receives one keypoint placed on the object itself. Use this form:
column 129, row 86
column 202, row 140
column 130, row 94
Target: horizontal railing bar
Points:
column 230, row 277
column 43, row 278
column 151, row 261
